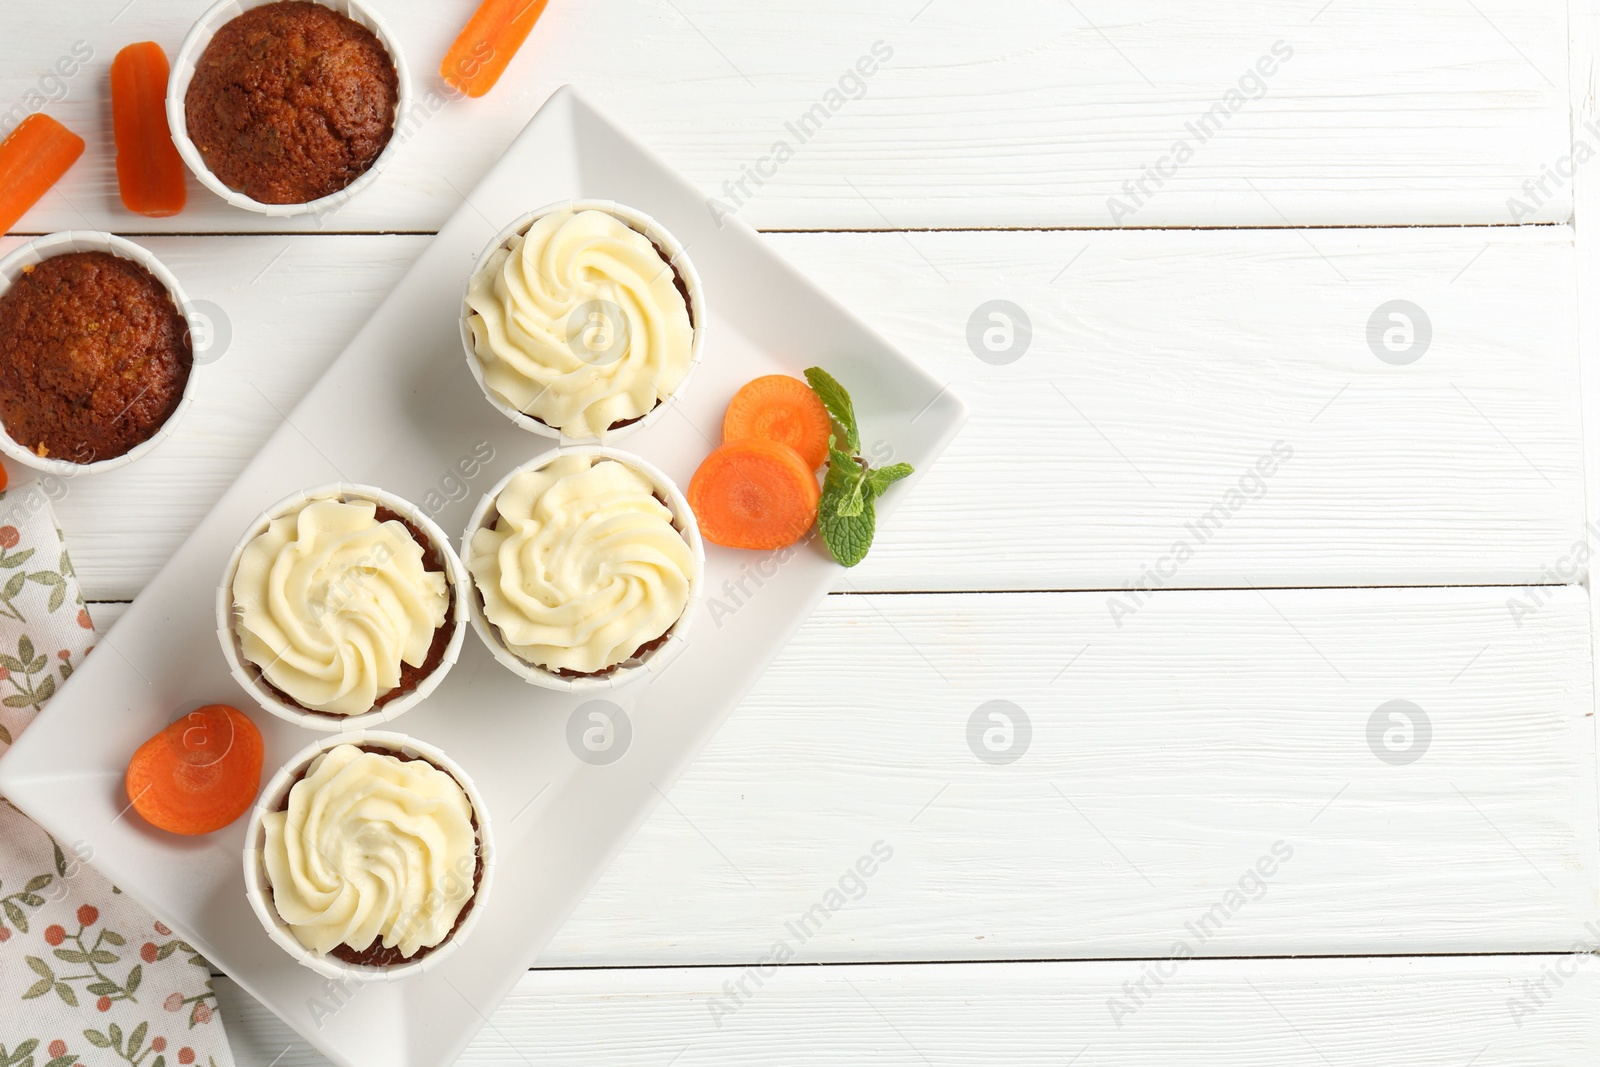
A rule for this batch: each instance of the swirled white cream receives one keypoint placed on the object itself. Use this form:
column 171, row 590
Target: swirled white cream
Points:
column 371, row 847
column 579, row 323
column 329, row 602
column 582, row 566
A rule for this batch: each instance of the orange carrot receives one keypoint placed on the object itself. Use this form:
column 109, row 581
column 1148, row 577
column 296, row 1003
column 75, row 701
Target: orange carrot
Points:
column 149, row 171
column 779, row 408
column 198, row 774
column 5, row 479
column 491, row 37
column 32, row 159
column 754, row 494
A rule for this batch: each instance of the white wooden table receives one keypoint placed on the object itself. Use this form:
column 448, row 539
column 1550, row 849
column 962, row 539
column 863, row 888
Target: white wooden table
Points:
column 1436, row 906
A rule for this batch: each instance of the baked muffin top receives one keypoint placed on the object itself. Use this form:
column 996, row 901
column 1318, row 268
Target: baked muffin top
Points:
column 291, row 102
column 94, row 356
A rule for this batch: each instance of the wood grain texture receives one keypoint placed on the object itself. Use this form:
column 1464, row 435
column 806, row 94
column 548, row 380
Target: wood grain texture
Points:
column 1030, row 113
column 1166, row 759
column 1164, row 365
column 1224, row 1013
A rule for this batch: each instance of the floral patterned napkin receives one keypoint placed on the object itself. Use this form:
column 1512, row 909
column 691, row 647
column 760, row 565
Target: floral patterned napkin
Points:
column 86, row 975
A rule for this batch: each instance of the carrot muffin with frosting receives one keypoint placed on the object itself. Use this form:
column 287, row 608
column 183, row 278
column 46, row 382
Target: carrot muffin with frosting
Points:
column 580, row 322
column 579, row 566
column 342, row 606
column 373, row 856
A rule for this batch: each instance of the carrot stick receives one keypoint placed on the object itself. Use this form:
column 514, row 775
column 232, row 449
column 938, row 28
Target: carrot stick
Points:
column 35, row 156
column 149, row 171
column 779, row 408
column 491, row 37
column 754, row 494
column 200, row 773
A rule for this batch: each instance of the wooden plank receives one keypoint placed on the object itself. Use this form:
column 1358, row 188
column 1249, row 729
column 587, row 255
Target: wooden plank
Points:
column 1163, row 367
column 1034, row 114
column 1210, row 1013
column 1219, row 743
column 1586, row 115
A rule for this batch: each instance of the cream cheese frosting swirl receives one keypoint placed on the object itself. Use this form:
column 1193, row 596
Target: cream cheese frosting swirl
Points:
column 579, row 564
column 371, row 846
column 330, row 602
column 579, row 324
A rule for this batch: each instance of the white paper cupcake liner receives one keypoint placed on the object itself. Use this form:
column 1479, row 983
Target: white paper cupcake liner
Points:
column 258, row 888
column 57, row 244
column 677, row 257
column 183, row 67
column 248, row 674
column 677, row 634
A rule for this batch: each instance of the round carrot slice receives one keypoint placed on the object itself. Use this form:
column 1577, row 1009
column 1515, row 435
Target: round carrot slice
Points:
column 782, row 409
column 754, row 494
column 198, row 774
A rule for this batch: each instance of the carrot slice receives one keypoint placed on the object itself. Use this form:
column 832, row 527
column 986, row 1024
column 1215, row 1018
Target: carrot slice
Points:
column 754, row 494
column 779, row 408
column 200, row 773
column 149, row 171
column 35, row 156
column 491, row 37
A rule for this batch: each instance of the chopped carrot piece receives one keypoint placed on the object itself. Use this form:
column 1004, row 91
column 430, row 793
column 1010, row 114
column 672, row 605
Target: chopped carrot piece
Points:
column 491, row 37
column 5, row 479
column 35, row 156
column 200, row 773
column 149, row 170
column 754, row 494
column 779, row 408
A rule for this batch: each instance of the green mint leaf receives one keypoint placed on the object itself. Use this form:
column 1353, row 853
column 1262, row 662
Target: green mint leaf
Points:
column 848, row 537
column 884, row 477
column 849, row 492
column 837, row 401
column 845, row 517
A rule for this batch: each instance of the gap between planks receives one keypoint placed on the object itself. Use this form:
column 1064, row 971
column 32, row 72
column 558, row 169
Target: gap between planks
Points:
column 1163, row 589
column 1069, row 960
column 30, row 235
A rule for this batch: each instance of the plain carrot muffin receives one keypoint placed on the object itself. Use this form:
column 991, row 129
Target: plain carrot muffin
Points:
column 292, row 102
column 94, row 356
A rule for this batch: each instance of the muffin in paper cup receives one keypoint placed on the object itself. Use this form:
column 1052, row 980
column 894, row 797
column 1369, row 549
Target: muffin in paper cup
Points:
column 275, row 797
column 188, row 58
column 686, row 281
column 24, row 258
column 446, row 647
column 658, row 653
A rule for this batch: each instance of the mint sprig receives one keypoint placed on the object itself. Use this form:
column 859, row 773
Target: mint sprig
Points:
column 846, row 516
column 837, row 401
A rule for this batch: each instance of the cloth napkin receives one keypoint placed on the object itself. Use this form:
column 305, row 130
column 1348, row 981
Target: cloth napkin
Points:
column 86, row 975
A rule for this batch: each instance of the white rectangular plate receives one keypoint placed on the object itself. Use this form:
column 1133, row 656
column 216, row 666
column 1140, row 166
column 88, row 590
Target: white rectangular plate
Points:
column 399, row 409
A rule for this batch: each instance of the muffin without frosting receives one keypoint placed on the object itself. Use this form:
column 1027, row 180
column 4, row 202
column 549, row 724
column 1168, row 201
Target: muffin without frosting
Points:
column 291, row 102
column 580, row 323
column 373, row 856
column 94, row 356
column 579, row 567
column 341, row 605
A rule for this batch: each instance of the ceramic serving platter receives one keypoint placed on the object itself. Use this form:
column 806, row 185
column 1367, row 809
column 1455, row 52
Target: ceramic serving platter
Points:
column 399, row 409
